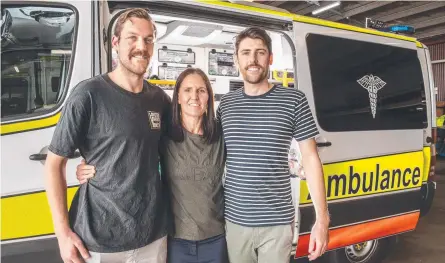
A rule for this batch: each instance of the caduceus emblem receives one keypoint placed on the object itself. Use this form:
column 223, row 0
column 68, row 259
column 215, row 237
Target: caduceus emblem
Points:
column 372, row 84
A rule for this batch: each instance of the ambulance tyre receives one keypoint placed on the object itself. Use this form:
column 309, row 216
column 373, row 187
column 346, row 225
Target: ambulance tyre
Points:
column 373, row 251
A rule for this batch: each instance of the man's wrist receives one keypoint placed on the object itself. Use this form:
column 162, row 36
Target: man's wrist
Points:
column 323, row 219
column 62, row 231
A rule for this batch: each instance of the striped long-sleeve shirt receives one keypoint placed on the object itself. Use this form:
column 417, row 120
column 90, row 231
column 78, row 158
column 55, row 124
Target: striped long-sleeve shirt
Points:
column 258, row 131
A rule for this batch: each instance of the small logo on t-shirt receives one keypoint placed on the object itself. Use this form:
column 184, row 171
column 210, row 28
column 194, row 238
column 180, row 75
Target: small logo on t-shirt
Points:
column 155, row 120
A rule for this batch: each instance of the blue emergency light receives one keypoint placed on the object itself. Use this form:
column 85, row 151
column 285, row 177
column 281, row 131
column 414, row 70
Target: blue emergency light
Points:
column 400, row 29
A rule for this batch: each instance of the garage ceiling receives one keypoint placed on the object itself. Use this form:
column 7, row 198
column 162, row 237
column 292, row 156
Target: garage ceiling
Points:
column 427, row 17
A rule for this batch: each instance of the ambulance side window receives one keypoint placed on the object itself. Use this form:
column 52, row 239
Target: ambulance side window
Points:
column 36, row 47
column 361, row 86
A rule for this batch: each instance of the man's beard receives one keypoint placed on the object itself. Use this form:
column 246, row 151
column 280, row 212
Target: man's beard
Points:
column 264, row 75
column 127, row 65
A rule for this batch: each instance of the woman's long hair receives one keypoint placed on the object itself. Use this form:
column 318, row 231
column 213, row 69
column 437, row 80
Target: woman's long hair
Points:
column 210, row 129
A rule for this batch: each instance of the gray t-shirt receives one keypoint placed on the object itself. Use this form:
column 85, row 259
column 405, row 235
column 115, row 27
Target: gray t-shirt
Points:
column 123, row 206
column 194, row 171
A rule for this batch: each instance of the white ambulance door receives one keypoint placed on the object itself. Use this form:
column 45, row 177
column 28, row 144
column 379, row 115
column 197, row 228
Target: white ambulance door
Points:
column 367, row 96
column 46, row 51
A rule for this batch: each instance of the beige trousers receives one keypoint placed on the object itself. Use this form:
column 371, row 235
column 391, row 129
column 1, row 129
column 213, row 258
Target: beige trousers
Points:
column 270, row 244
column 155, row 252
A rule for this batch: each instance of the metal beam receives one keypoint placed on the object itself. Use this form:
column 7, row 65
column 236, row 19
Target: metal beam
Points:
column 436, row 31
column 351, row 20
column 276, row 3
column 361, row 9
column 330, row 15
column 429, row 22
column 430, row 15
column 438, row 61
column 408, row 11
column 300, row 6
column 310, row 8
column 313, row 2
column 399, row 7
column 259, row 4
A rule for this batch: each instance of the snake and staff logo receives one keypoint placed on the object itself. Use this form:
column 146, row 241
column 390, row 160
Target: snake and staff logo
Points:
column 372, row 84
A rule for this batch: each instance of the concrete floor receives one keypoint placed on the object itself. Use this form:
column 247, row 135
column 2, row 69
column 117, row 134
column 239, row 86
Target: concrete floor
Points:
column 427, row 243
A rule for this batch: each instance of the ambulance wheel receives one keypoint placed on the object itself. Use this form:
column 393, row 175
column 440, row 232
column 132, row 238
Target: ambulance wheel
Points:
column 373, row 251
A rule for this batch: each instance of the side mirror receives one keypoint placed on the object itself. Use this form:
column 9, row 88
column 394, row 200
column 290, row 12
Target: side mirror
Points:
column 6, row 23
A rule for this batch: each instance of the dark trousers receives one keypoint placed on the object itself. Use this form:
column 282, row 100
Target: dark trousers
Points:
column 211, row 250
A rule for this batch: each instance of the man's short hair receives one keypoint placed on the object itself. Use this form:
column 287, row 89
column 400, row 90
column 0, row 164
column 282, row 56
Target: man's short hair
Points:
column 254, row 33
column 130, row 13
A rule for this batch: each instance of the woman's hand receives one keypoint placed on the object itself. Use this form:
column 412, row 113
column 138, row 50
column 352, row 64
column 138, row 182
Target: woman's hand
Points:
column 84, row 172
column 296, row 169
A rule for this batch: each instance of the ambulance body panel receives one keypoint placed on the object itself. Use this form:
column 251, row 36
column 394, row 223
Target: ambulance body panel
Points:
column 378, row 173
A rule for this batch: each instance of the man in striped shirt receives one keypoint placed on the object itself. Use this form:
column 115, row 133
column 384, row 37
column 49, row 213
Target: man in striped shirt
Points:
column 259, row 122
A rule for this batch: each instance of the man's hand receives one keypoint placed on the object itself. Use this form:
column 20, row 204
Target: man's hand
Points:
column 70, row 246
column 319, row 240
column 84, row 172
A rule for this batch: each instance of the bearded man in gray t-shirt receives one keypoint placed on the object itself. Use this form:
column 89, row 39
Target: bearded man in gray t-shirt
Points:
column 115, row 120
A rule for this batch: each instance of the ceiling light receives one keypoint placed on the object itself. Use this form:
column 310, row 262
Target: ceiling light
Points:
column 324, row 8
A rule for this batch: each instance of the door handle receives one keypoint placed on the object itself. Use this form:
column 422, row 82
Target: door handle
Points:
column 324, row 144
column 42, row 156
column 38, row 157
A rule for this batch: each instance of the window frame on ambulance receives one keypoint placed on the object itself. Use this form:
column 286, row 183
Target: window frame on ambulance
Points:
column 399, row 102
column 66, row 50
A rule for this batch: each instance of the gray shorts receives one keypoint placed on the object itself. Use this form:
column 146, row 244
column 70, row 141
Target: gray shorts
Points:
column 155, row 252
column 259, row 244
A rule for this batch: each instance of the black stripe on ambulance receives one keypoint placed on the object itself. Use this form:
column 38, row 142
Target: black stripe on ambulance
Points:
column 358, row 210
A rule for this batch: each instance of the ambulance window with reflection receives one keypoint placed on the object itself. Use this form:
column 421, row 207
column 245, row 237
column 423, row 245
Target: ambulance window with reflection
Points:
column 361, row 86
column 36, row 47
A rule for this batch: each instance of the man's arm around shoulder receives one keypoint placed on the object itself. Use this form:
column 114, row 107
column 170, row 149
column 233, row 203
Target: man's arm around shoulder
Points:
column 55, row 178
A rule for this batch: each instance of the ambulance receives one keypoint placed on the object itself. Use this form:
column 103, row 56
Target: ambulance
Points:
column 371, row 94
